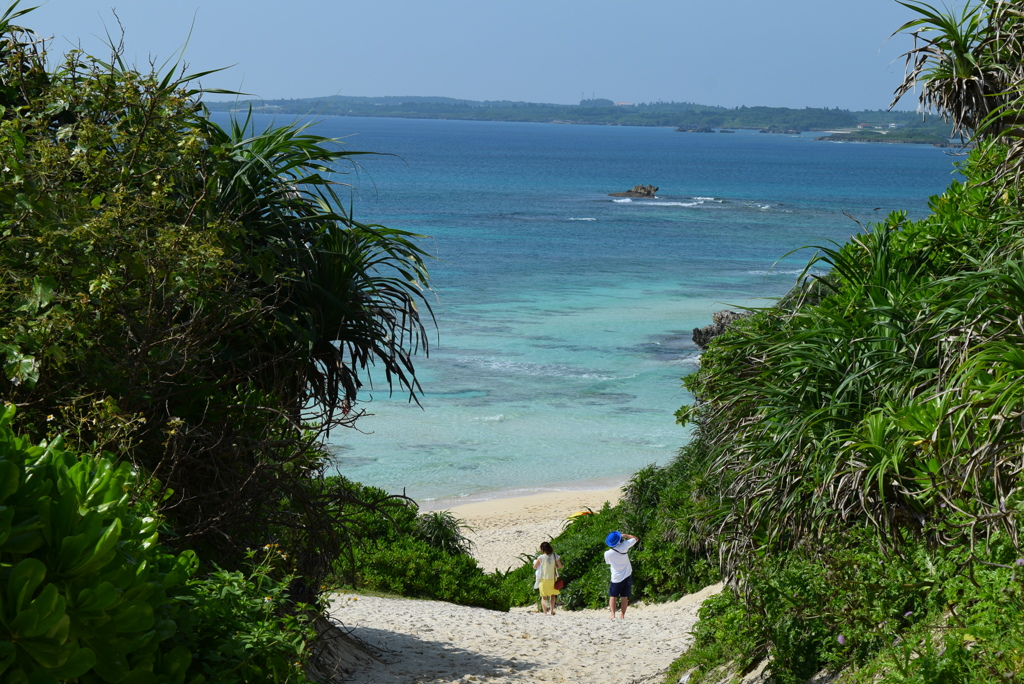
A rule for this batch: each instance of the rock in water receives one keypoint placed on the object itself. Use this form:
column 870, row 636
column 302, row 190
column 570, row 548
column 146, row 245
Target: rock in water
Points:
column 637, row 191
column 722, row 321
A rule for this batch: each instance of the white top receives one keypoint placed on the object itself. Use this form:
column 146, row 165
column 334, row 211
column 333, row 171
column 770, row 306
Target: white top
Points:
column 546, row 567
column 617, row 558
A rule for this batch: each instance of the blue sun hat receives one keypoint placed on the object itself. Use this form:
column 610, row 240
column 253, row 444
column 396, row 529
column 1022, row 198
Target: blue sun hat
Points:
column 613, row 539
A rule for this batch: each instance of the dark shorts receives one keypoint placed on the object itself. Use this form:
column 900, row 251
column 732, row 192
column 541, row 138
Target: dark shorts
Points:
column 621, row 589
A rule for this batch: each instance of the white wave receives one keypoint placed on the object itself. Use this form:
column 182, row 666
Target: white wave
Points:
column 582, row 219
column 786, row 272
column 622, row 201
column 707, row 199
column 540, row 369
column 493, row 419
column 673, row 204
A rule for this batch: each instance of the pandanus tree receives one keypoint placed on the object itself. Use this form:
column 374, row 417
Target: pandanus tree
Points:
column 198, row 300
column 968, row 65
column 955, row 62
column 885, row 393
column 351, row 294
column 882, row 393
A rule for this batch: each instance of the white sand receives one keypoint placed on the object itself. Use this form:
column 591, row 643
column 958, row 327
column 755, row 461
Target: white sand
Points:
column 439, row 643
column 504, row 529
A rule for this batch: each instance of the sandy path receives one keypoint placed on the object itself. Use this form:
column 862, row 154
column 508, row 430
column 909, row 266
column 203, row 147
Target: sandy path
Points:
column 439, row 643
column 428, row 641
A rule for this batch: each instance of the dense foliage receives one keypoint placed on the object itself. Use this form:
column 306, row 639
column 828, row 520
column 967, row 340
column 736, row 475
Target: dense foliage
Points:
column 192, row 298
column 398, row 550
column 197, row 304
column 84, row 590
column 865, row 441
column 90, row 594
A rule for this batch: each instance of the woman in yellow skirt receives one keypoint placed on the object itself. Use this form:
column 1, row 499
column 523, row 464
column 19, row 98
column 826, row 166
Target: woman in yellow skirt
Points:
column 547, row 566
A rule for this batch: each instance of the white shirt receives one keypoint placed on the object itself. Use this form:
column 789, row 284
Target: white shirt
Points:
column 547, row 568
column 617, row 558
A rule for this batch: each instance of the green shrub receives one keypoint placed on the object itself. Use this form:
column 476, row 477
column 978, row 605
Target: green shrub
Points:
column 724, row 636
column 970, row 630
column 846, row 606
column 397, row 550
column 411, row 567
column 88, row 594
column 838, row 604
column 442, row 530
column 83, row 581
column 240, row 626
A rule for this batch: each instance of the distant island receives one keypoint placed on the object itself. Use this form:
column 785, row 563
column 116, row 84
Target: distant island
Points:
column 683, row 116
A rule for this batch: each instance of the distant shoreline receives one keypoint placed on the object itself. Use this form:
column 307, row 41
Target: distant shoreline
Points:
column 686, row 116
column 841, row 135
column 885, row 139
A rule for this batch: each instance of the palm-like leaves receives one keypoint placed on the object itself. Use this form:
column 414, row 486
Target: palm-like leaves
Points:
column 356, row 293
column 198, row 299
column 348, row 292
column 970, row 68
column 953, row 61
column 895, row 401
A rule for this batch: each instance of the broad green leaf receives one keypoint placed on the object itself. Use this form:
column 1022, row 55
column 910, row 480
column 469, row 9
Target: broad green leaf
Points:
column 77, row 664
column 10, row 478
column 26, row 576
column 39, row 298
column 44, row 612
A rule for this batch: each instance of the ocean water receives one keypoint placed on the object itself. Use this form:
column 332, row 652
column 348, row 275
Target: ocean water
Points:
column 564, row 315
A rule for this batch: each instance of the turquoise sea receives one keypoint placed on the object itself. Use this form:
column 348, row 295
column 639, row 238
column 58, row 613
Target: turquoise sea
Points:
column 564, row 316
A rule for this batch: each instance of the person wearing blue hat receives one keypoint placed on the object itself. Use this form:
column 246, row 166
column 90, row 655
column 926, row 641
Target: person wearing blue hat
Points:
column 617, row 556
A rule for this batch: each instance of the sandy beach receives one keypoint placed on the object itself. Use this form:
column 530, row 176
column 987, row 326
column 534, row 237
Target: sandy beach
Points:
column 420, row 642
column 417, row 642
column 503, row 529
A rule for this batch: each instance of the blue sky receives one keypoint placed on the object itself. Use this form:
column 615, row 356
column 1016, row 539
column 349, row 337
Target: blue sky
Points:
column 786, row 53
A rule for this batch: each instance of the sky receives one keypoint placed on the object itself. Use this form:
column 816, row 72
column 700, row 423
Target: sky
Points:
column 779, row 53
